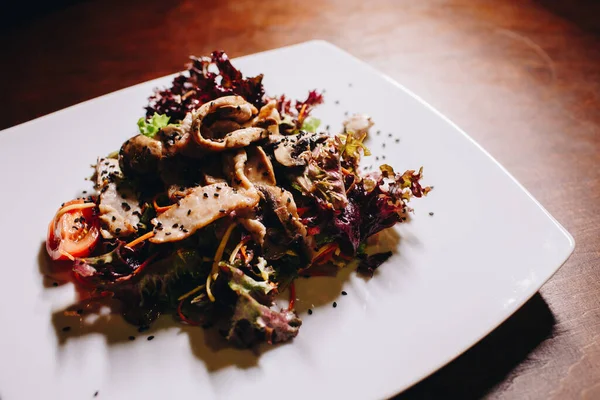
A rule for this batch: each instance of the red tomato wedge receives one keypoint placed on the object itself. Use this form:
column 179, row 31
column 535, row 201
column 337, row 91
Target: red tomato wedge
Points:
column 73, row 232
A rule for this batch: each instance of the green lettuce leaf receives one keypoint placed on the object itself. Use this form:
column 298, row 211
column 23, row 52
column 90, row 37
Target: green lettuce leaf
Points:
column 150, row 127
column 311, row 124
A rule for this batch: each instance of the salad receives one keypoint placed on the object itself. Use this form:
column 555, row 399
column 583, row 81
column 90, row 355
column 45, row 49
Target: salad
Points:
column 225, row 197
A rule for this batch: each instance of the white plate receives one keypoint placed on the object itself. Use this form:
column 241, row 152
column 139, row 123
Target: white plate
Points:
column 455, row 276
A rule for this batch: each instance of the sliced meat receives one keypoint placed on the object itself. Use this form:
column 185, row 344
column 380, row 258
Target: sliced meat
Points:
column 258, row 168
column 268, row 117
column 140, row 155
column 220, row 128
column 202, row 206
column 233, row 140
column 255, row 228
column 234, row 167
column 119, row 209
column 233, row 108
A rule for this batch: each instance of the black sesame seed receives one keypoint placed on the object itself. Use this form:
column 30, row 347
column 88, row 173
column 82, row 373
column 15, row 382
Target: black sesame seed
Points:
column 167, row 233
column 221, row 210
column 150, row 337
column 346, row 113
column 431, row 213
column 378, row 132
column 376, row 158
column 218, row 188
column 344, row 293
column 185, row 230
column 66, row 329
column 55, row 284
column 118, row 230
column 189, row 212
column 337, row 102
column 205, row 195
column 383, row 145
column 289, row 200
column 309, row 311
column 84, row 192
column 327, row 128
column 334, row 304
column 216, row 195
column 383, row 157
column 397, row 140
column 126, row 206
column 96, row 394
column 175, row 225
column 389, row 135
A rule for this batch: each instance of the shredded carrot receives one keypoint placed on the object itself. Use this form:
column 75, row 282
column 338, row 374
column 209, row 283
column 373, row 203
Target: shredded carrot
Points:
column 301, row 114
column 351, row 186
column 243, row 251
column 66, row 254
column 236, row 250
column 160, row 209
column 71, row 207
column 140, row 239
column 218, row 255
column 182, row 316
column 324, row 253
column 292, row 296
column 191, row 292
column 208, row 291
column 346, row 171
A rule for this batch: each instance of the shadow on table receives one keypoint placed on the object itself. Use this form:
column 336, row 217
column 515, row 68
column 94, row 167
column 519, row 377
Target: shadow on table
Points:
column 487, row 364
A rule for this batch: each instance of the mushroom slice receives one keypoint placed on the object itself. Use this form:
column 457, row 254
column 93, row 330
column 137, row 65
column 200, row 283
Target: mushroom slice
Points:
column 140, row 155
column 359, row 124
column 283, row 205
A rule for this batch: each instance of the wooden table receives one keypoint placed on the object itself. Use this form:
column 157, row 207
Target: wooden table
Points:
column 523, row 78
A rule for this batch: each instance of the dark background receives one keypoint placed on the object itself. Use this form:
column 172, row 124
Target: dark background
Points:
column 522, row 77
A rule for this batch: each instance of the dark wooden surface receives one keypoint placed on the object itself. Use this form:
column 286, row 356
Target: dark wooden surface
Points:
column 522, row 77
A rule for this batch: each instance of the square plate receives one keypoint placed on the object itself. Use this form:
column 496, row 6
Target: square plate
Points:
column 454, row 277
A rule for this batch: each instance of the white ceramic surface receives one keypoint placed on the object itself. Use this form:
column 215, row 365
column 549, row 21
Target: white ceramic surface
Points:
column 454, row 277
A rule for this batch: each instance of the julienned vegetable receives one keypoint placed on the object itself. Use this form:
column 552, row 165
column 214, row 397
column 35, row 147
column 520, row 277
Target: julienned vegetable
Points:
column 224, row 198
